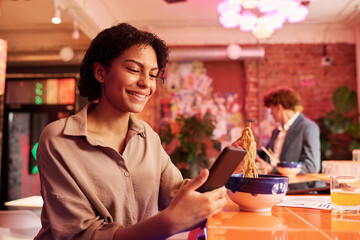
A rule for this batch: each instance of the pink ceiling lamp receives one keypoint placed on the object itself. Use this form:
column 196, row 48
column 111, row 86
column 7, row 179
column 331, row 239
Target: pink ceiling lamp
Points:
column 275, row 21
column 261, row 17
column 299, row 15
column 248, row 21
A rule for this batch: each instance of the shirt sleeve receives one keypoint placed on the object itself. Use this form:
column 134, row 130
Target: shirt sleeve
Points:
column 171, row 180
column 67, row 213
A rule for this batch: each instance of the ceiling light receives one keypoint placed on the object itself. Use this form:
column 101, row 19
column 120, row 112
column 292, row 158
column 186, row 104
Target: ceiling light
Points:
column 233, row 51
column 261, row 17
column 57, row 14
column 249, row 4
column 66, row 54
column 262, row 29
column 75, row 33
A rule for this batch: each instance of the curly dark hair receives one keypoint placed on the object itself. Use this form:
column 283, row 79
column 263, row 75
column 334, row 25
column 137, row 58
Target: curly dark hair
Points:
column 108, row 45
column 285, row 96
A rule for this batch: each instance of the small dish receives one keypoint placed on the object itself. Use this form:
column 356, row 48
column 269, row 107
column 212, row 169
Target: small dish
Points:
column 290, row 169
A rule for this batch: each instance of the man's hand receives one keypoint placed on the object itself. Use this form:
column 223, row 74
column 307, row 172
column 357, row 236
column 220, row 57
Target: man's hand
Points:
column 263, row 166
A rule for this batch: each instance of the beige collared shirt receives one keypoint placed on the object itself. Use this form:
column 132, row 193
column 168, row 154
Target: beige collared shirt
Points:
column 280, row 139
column 90, row 189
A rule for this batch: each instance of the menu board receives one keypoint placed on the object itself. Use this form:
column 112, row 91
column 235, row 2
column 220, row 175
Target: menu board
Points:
column 41, row 91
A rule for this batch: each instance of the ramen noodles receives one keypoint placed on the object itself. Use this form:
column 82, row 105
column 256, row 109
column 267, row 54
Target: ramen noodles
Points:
column 248, row 142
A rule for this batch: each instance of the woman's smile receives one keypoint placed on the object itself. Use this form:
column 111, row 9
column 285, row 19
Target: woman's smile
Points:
column 138, row 95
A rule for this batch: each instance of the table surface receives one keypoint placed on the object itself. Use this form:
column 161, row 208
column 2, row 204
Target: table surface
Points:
column 31, row 202
column 281, row 223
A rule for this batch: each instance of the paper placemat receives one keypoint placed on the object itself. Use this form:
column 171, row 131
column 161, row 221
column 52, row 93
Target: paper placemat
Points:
column 317, row 202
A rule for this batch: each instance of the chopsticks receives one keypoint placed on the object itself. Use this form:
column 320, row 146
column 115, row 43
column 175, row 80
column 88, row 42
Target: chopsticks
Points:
column 273, row 159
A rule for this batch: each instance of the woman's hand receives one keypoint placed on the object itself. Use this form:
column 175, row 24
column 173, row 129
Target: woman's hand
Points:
column 240, row 167
column 237, row 143
column 187, row 210
column 189, row 207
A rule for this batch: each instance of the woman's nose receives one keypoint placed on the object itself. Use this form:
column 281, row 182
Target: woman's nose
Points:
column 144, row 80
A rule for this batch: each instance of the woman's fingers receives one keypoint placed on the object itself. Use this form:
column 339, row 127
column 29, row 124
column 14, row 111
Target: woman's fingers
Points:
column 216, row 193
column 217, row 201
column 236, row 144
column 192, row 207
column 196, row 182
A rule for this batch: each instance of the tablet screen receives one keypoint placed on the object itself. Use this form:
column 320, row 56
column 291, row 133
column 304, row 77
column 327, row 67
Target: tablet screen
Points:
column 223, row 167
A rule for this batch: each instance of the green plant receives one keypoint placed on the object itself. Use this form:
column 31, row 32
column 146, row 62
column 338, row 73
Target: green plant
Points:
column 340, row 128
column 186, row 139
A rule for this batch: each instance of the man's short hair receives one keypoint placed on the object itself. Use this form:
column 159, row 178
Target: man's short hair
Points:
column 285, row 96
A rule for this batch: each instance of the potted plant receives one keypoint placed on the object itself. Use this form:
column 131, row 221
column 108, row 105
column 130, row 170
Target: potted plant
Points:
column 187, row 139
column 340, row 128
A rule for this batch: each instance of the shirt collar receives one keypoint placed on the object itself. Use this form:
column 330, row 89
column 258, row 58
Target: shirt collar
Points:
column 290, row 122
column 76, row 125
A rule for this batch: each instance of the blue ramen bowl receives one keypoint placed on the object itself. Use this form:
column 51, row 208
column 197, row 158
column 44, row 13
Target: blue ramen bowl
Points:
column 257, row 194
column 289, row 169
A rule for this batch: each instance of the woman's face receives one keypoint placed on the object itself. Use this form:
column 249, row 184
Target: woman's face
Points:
column 131, row 79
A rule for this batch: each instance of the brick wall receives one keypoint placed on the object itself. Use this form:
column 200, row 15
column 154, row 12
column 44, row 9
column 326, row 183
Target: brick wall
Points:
column 289, row 64
column 294, row 65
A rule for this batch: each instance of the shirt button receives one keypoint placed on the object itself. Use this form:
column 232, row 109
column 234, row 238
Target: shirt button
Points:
column 126, row 174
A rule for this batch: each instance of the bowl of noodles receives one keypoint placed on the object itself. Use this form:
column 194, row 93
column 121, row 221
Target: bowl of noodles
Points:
column 289, row 169
column 254, row 192
column 258, row 194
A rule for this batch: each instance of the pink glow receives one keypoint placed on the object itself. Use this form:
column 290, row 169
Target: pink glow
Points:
column 224, row 6
column 229, row 19
column 249, row 4
column 233, row 2
column 262, row 29
column 268, row 5
column 274, row 20
column 299, row 15
column 287, row 7
column 273, row 14
column 247, row 21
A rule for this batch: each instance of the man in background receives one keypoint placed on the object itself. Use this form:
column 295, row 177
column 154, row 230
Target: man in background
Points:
column 297, row 138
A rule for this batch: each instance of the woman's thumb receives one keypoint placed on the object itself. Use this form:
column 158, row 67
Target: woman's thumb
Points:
column 196, row 182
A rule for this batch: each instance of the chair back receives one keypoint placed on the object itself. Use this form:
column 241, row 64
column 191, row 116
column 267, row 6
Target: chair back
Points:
column 19, row 224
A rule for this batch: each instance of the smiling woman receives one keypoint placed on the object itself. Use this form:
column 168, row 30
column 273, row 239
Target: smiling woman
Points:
column 130, row 81
column 104, row 173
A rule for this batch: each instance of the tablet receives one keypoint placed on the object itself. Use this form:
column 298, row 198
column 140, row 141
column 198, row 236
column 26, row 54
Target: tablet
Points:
column 223, row 167
column 309, row 187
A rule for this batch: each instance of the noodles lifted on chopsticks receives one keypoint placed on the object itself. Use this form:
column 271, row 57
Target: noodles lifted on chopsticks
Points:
column 248, row 142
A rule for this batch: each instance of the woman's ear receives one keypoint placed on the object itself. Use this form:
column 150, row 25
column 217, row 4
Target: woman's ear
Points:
column 99, row 72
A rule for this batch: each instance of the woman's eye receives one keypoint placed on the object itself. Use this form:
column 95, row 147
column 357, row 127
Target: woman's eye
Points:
column 133, row 70
column 152, row 76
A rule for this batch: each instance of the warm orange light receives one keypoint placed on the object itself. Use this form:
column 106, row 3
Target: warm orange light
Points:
column 3, row 56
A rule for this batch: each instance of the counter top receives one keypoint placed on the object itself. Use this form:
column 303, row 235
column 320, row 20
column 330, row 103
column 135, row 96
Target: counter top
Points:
column 31, row 202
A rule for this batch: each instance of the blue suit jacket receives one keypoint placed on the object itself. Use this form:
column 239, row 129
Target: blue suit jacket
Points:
column 302, row 144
